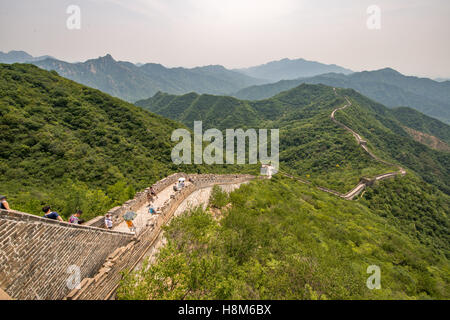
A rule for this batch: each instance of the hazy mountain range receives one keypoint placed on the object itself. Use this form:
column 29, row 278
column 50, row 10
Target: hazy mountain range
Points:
column 133, row 82
column 287, row 69
column 19, row 57
column 387, row 86
column 441, row 79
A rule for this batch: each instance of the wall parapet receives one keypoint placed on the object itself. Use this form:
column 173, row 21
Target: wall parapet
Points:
column 104, row 284
column 138, row 201
column 37, row 254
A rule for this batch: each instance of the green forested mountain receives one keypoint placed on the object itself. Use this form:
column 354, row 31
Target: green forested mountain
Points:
column 278, row 239
column 282, row 239
column 390, row 140
column 418, row 121
column 312, row 145
column 71, row 146
column 131, row 82
column 386, row 86
column 287, row 69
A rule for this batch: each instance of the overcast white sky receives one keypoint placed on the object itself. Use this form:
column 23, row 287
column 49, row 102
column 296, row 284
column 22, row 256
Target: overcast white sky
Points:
column 414, row 35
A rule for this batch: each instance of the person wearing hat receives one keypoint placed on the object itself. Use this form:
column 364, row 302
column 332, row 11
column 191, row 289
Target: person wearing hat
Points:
column 3, row 203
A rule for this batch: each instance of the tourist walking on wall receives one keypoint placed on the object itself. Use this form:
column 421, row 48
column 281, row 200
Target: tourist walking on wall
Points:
column 151, row 209
column 153, row 193
column 75, row 218
column 128, row 217
column 130, row 225
column 51, row 214
column 3, row 203
column 108, row 221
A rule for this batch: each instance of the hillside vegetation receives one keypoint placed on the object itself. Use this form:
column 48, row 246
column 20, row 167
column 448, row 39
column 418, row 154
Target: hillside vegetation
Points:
column 280, row 239
column 386, row 86
column 387, row 137
column 74, row 147
column 311, row 145
column 415, row 120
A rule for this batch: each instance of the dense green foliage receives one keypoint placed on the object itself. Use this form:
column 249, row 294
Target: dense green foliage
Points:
column 420, row 122
column 74, row 147
column 386, row 86
column 311, row 145
column 53, row 129
column 285, row 240
column 414, row 208
column 386, row 137
column 219, row 198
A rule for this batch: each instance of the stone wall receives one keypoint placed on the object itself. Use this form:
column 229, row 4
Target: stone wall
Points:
column 36, row 252
column 138, row 201
column 105, row 282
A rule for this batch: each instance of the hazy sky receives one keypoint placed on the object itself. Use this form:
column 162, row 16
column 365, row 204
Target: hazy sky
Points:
column 414, row 35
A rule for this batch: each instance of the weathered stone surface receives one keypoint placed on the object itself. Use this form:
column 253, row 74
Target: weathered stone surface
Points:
column 35, row 252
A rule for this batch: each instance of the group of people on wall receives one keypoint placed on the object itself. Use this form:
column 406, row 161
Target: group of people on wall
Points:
column 74, row 219
column 48, row 213
column 108, row 221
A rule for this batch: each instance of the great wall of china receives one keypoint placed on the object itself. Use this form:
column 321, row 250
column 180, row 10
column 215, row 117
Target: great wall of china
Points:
column 36, row 253
column 364, row 182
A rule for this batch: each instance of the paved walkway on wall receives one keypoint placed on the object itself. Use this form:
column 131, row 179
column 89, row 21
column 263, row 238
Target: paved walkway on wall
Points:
column 197, row 198
column 151, row 238
column 143, row 217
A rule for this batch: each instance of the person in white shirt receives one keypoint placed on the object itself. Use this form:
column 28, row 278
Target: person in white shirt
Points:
column 108, row 221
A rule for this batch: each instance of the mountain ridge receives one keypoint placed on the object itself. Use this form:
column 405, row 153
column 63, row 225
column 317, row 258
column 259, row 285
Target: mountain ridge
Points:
column 386, row 86
column 17, row 56
column 287, row 69
column 131, row 82
column 308, row 107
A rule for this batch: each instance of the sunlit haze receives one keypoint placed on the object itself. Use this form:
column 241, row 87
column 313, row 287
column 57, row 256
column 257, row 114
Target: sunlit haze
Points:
column 413, row 38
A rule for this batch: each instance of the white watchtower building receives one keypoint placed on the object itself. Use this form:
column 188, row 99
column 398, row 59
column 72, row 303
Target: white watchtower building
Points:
column 267, row 170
